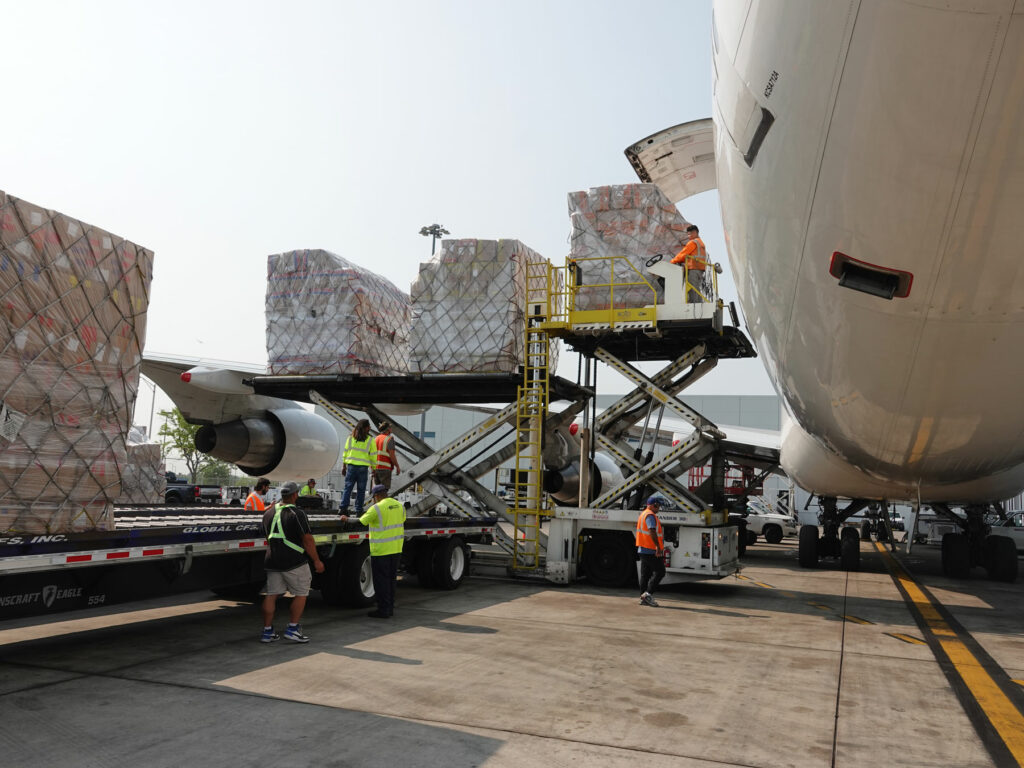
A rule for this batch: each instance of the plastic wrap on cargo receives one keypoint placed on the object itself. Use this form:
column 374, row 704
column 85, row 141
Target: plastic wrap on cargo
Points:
column 634, row 221
column 142, row 479
column 469, row 307
column 74, row 301
column 327, row 315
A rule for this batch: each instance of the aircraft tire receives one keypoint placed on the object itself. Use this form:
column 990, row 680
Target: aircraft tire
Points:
column 807, row 552
column 1001, row 559
column 865, row 531
column 849, row 533
column 849, row 556
column 956, row 556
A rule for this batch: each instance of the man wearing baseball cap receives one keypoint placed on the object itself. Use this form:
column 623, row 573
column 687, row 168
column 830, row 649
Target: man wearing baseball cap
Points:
column 289, row 543
column 386, row 520
column 650, row 547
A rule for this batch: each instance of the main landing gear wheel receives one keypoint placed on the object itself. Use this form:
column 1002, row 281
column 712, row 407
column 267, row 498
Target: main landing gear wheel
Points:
column 849, row 552
column 956, row 556
column 807, row 552
column 1001, row 558
column 849, row 533
column 865, row 531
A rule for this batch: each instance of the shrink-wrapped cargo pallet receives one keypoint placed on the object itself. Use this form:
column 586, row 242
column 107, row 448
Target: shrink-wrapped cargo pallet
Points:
column 327, row 315
column 635, row 221
column 74, row 302
column 142, row 479
column 469, row 307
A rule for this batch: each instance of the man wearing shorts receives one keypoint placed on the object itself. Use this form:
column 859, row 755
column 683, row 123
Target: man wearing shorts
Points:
column 289, row 542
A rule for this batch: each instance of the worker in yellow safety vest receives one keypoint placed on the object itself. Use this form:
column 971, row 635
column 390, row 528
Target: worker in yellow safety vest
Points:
column 694, row 258
column 357, row 461
column 387, row 459
column 650, row 548
column 386, row 520
column 309, row 489
column 254, row 501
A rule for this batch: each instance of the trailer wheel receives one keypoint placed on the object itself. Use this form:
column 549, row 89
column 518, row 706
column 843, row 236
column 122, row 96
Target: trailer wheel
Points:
column 424, row 561
column 348, row 578
column 956, row 556
column 1001, row 558
column 451, row 563
column 610, row 560
column 807, row 552
column 772, row 534
column 849, row 552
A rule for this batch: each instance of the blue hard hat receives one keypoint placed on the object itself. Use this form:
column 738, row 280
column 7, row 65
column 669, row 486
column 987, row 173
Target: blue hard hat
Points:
column 659, row 500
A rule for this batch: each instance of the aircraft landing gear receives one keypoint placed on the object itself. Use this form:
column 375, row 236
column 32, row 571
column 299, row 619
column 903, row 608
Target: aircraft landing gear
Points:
column 973, row 547
column 841, row 544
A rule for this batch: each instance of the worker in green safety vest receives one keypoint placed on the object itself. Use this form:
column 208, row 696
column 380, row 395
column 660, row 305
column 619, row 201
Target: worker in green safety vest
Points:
column 289, row 543
column 386, row 520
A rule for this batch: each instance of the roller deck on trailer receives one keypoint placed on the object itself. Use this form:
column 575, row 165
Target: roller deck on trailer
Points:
column 159, row 550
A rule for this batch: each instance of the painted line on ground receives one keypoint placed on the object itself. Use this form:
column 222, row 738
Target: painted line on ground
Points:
column 999, row 721
column 907, row 638
column 856, row 619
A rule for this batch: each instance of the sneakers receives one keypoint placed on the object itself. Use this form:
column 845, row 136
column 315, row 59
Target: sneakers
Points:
column 269, row 635
column 294, row 633
column 646, row 599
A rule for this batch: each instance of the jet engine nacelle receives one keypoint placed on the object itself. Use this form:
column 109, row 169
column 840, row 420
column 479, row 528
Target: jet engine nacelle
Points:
column 285, row 444
column 563, row 485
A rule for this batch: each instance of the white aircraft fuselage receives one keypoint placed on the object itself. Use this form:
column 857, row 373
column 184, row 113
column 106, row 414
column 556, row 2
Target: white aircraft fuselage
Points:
column 882, row 143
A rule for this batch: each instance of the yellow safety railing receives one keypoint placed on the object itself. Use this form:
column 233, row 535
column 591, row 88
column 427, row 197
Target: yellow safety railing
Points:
column 618, row 300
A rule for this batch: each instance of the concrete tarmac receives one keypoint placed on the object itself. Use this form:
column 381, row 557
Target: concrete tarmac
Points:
column 780, row 667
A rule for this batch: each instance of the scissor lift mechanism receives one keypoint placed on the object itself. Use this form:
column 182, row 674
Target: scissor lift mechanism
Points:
column 690, row 345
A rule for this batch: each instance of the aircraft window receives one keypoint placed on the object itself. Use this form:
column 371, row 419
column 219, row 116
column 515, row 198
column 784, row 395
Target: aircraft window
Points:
column 884, row 282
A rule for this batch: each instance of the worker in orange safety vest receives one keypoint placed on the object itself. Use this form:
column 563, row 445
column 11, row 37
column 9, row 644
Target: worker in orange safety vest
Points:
column 254, row 501
column 650, row 548
column 387, row 459
column 694, row 258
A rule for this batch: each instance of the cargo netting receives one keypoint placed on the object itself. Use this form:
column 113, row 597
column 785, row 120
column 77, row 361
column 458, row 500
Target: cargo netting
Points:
column 634, row 221
column 325, row 314
column 74, row 301
column 142, row 480
column 469, row 308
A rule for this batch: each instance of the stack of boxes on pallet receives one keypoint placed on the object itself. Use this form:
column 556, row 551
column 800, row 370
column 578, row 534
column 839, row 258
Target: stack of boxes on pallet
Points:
column 632, row 221
column 469, row 307
column 327, row 315
column 73, row 300
column 142, row 480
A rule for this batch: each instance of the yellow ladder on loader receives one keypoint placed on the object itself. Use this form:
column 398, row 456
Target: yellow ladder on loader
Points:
column 529, row 502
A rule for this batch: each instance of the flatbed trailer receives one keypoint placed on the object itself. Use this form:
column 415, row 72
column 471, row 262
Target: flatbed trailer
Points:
column 157, row 551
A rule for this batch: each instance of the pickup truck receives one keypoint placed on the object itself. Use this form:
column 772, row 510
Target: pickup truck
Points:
column 762, row 520
column 180, row 491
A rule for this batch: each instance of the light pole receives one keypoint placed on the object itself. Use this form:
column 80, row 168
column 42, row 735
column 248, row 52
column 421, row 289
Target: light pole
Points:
column 435, row 231
column 152, row 403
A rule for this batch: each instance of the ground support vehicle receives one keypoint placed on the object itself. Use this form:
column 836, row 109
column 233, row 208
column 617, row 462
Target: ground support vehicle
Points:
column 571, row 507
column 158, row 551
column 761, row 520
column 180, row 491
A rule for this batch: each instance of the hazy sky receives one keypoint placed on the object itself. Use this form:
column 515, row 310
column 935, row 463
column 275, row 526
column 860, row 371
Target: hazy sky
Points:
column 216, row 133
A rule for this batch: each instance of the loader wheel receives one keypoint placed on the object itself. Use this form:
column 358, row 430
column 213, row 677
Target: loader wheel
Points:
column 609, row 560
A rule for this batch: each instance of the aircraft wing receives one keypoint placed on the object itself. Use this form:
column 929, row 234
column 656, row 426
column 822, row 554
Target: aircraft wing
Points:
column 215, row 392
